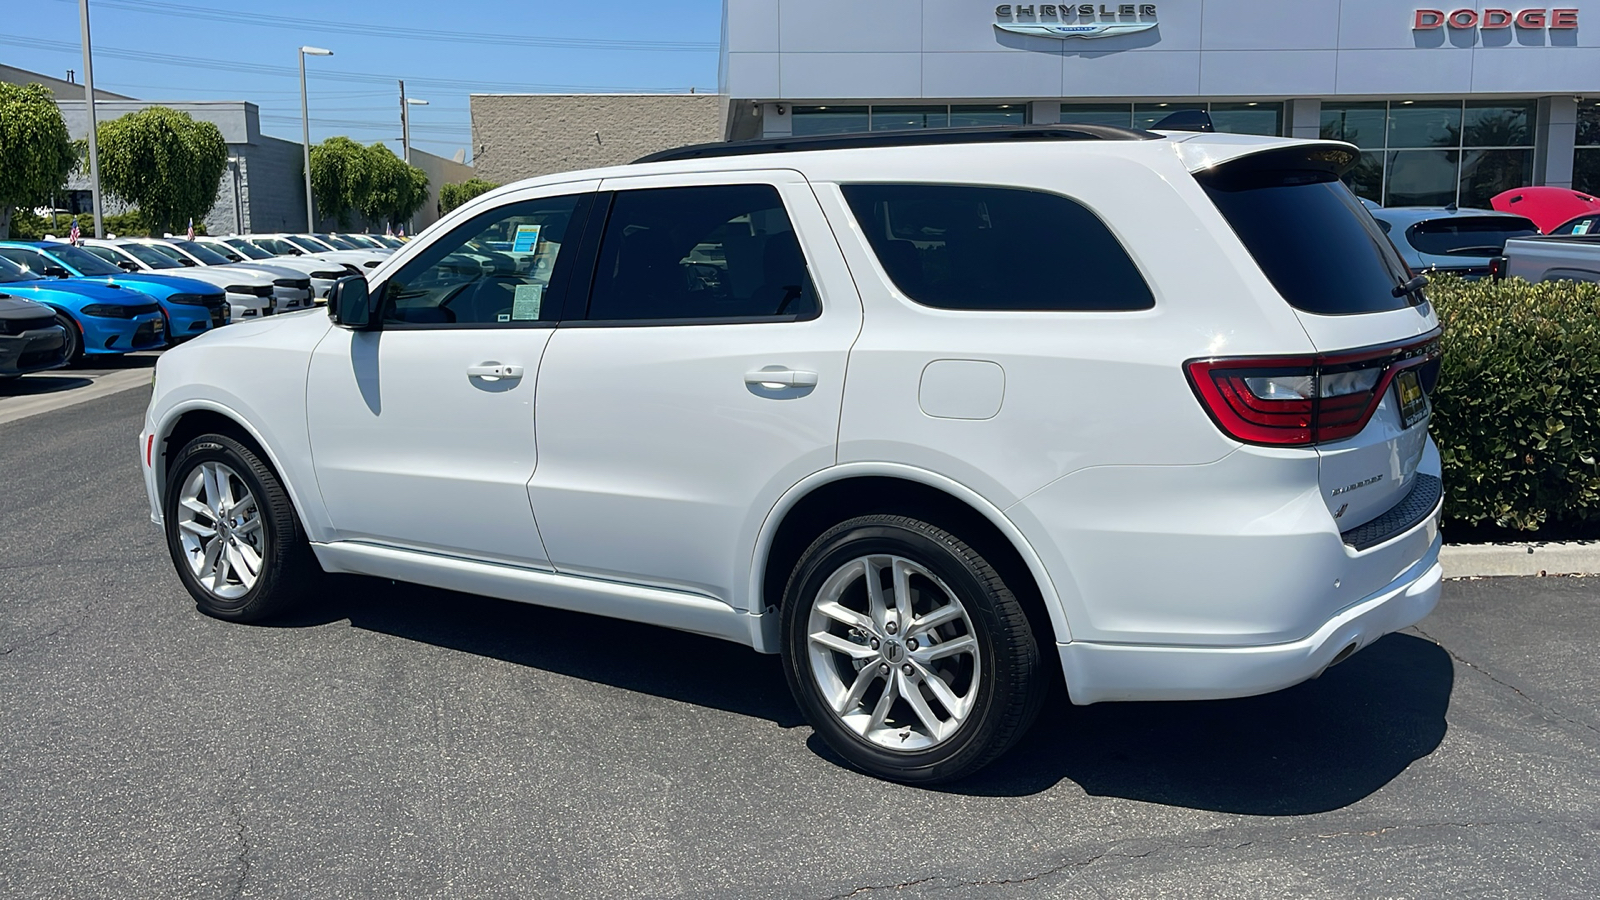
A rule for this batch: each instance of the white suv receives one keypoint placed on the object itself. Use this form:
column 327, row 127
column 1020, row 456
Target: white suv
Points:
column 930, row 415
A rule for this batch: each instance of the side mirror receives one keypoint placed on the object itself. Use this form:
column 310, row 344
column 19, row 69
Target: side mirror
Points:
column 128, row 265
column 350, row 303
column 188, row 262
column 56, row 272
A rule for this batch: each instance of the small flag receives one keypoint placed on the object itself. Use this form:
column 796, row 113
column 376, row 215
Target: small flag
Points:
column 402, row 234
column 191, row 228
column 388, row 230
column 74, row 237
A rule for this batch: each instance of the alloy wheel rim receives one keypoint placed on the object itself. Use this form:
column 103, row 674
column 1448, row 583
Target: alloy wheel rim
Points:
column 220, row 529
column 893, row 650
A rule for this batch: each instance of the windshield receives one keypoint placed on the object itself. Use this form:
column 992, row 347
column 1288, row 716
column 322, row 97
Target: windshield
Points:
column 245, row 248
column 107, row 254
column 222, row 250
column 362, row 242
column 206, row 255
column 337, row 243
column 1312, row 238
column 10, row 271
column 154, row 257
column 84, row 262
column 305, row 243
column 1468, row 235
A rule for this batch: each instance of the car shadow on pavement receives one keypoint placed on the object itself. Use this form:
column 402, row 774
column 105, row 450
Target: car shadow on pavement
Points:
column 35, row 384
column 1315, row 747
column 643, row 658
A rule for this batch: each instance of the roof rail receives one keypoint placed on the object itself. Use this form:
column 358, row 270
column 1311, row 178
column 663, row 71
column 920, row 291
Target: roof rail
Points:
column 989, row 134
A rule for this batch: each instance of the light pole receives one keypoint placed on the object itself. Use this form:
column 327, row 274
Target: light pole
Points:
column 94, row 138
column 305, row 127
column 405, row 124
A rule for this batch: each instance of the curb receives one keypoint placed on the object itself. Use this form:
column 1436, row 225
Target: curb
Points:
column 1490, row 560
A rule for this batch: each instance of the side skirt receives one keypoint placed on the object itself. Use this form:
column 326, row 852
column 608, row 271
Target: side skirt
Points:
column 652, row 606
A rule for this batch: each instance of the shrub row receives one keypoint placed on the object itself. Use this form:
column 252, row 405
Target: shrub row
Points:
column 1517, row 407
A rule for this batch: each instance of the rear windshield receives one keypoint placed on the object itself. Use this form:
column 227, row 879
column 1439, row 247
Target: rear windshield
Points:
column 1312, row 238
column 1468, row 235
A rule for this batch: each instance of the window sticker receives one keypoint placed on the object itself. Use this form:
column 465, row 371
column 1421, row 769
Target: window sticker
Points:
column 527, row 299
column 526, row 239
column 1581, row 228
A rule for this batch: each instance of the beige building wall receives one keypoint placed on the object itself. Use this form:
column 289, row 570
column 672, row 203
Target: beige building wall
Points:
column 517, row 136
column 440, row 172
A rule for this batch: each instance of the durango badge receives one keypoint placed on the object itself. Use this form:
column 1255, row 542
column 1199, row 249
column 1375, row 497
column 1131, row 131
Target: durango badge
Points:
column 1081, row 20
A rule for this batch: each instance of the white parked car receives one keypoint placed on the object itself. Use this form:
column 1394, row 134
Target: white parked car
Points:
column 250, row 293
column 322, row 273
column 935, row 416
column 313, row 246
column 291, row 287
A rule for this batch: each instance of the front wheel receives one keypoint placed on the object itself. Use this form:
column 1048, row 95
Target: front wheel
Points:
column 907, row 652
column 74, row 347
column 233, row 533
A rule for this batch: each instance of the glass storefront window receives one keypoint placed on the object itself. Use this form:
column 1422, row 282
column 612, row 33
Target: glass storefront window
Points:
column 1366, row 179
column 1498, row 125
column 1248, row 118
column 1002, row 114
column 1485, row 173
column 1362, row 124
column 903, row 118
column 828, row 119
column 1146, row 115
column 1421, row 178
column 1118, row 114
column 1436, row 124
column 1586, row 164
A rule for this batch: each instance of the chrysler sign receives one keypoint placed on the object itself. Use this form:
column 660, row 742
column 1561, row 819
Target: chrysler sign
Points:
column 1080, row 20
column 1491, row 19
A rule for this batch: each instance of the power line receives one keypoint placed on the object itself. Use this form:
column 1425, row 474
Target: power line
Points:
column 196, row 62
column 177, row 10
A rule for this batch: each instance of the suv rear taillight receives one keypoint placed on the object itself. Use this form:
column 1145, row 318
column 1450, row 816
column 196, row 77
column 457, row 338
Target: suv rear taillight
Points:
column 1300, row 401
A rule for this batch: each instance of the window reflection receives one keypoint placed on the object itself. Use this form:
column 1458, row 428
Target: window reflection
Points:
column 902, row 118
column 1421, row 178
column 828, row 119
column 1425, row 124
column 1118, row 114
column 1436, row 152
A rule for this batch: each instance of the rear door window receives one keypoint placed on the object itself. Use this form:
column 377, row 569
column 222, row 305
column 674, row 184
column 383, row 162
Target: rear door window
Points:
column 983, row 248
column 1468, row 235
column 1311, row 237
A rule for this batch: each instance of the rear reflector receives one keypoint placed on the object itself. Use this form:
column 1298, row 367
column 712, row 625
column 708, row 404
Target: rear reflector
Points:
column 1300, row 401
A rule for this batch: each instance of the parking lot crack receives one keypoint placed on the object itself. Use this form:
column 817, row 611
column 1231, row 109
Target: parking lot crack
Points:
column 1507, row 685
column 236, row 821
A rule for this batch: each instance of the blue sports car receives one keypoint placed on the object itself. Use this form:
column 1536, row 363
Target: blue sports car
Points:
column 99, row 318
column 192, row 307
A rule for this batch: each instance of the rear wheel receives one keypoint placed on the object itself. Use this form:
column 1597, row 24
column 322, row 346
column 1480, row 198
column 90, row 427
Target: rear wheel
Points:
column 907, row 651
column 74, row 338
column 233, row 534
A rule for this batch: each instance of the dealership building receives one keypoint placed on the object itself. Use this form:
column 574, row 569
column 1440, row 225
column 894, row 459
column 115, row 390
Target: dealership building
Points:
column 1448, row 105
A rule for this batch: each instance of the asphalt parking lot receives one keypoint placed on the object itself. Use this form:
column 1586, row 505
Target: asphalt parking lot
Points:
column 407, row 742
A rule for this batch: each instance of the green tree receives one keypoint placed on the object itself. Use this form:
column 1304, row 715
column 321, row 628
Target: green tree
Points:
column 453, row 195
column 164, row 162
column 36, row 155
column 348, row 180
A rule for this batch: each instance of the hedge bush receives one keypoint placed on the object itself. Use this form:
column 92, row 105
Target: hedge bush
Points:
column 1517, row 407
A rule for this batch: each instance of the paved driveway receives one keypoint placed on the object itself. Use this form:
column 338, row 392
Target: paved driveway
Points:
column 406, row 742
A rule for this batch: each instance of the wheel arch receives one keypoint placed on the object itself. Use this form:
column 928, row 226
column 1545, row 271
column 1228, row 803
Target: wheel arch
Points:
column 831, row 496
column 184, row 423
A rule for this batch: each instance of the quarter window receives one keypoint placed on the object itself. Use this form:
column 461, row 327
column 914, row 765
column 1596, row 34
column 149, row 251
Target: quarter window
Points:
column 726, row 252
column 495, row 270
column 968, row 247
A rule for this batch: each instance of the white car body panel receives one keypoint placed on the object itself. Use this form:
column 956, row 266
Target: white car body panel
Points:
column 631, row 471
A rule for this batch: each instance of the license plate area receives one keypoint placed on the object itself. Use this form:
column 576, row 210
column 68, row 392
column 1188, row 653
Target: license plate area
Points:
column 1412, row 399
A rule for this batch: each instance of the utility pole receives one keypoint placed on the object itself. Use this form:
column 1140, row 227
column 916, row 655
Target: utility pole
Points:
column 305, row 128
column 94, row 126
column 405, row 124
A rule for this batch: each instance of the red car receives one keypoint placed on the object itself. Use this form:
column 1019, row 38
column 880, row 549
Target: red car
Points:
column 1548, row 207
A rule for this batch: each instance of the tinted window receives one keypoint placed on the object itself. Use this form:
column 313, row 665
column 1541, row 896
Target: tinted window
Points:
column 1312, row 238
column 962, row 247
column 305, row 243
column 83, row 261
column 31, row 260
column 1468, row 235
column 724, row 252
column 1580, row 225
column 10, row 271
column 245, row 248
column 493, row 270
column 199, row 251
column 164, row 258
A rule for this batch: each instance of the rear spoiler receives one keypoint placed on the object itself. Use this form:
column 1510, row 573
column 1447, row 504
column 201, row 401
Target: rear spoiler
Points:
column 1221, row 154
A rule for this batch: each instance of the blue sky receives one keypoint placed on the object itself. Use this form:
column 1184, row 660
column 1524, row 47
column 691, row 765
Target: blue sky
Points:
column 194, row 50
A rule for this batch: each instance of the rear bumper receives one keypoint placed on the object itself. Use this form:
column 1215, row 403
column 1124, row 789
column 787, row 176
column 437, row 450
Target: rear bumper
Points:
column 33, row 351
column 1098, row 672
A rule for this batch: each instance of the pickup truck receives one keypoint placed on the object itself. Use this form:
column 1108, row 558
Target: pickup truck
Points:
column 1550, row 258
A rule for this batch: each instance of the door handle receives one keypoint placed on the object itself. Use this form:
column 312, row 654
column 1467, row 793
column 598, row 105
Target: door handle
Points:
column 494, row 370
column 779, row 377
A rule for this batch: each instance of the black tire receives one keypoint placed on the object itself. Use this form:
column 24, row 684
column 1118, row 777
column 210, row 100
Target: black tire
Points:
column 288, row 568
column 74, row 339
column 1010, row 686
